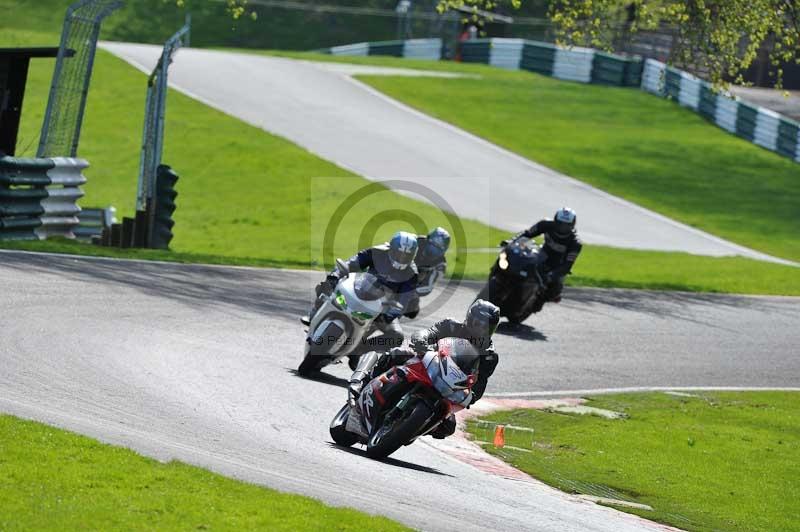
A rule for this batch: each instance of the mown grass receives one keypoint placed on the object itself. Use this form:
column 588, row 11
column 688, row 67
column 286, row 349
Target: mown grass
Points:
column 52, row 479
column 716, row 461
column 248, row 197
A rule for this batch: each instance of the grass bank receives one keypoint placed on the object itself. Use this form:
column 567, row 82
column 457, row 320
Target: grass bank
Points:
column 711, row 461
column 52, row 479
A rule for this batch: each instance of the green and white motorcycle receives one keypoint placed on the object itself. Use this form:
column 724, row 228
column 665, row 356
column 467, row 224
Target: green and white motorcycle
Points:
column 343, row 320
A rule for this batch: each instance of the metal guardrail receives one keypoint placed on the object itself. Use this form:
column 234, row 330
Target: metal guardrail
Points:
column 759, row 125
column 38, row 197
column 573, row 64
column 93, row 221
column 410, row 49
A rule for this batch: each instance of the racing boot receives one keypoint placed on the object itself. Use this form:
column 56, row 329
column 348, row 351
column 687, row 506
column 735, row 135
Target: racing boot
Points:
column 362, row 374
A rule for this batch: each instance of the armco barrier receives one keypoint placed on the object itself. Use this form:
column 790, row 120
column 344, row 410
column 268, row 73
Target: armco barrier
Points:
column 92, row 222
column 38, row 197
column 410, row 49
column 756, row 124
column 759, row 125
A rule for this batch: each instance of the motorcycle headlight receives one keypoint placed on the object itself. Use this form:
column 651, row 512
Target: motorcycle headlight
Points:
column 361, row 316
column 503, row 261
column 340, row 301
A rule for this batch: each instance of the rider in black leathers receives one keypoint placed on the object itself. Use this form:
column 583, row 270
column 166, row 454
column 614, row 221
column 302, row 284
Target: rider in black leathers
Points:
column 562, row 245
column 478, row 327
column 431, row 264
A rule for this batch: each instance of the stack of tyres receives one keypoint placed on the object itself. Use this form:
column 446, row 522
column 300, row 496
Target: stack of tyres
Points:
column 23, row 185
column 163, row 223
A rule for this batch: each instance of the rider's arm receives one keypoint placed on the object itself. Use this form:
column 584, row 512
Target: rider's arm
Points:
column 535, row 230
column 487, row 366
column 431, row 279
column 420, row 340
column 360, row 261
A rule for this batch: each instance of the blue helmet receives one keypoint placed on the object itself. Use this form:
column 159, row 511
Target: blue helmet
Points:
column 402, row 249
column 436, row 245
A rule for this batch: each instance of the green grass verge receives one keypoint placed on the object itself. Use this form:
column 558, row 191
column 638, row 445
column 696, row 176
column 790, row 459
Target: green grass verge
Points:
column 717, row 461
column 52, row 479
column 250, row 198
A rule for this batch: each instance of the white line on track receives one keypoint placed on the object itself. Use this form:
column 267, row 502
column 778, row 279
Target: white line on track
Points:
column 637, row 389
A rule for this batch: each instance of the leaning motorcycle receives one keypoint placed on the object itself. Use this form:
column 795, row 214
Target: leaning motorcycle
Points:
column 409, row 401
column 343, row 320
column 515, row 281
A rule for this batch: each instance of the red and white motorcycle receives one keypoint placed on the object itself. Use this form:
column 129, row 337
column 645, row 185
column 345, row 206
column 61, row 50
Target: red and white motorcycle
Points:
column 409, row 401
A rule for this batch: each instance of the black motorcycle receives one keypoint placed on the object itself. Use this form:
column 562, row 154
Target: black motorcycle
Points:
column 515, row 281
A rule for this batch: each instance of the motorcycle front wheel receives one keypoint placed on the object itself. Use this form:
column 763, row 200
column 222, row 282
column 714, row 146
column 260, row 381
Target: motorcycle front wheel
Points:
column 393, row 434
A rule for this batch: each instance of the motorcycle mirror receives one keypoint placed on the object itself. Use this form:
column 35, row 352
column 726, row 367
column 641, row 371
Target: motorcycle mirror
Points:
column 342, row 266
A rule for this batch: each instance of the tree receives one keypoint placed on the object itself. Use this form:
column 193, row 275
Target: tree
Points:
column 721, row 37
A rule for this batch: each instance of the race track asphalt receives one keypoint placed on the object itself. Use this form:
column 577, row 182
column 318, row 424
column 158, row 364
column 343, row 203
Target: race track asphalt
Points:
column 196, row 363
column 322, row 108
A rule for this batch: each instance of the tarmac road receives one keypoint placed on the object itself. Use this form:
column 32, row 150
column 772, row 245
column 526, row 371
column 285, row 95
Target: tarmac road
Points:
column 196, row 363
column 320, row 107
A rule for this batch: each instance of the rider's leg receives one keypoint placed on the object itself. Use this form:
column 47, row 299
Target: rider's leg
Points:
column 363, row 372
column 554, row 289
column 412, row 309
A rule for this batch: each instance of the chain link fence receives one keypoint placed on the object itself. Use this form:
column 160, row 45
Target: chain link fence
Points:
column 62, row 121
column 154, row 116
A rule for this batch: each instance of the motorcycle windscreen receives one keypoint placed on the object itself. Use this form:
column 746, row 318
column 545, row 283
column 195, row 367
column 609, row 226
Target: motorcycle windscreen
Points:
column 368, row 288
column 446, row 375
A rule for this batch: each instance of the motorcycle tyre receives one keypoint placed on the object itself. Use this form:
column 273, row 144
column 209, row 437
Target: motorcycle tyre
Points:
column 404, row 429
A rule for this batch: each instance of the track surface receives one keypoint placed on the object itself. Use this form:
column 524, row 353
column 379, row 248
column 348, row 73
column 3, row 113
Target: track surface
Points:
column 321, row 108
column 195, row 363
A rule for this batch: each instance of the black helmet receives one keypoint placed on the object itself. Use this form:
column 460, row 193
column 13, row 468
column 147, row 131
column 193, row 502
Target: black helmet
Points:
column 482, row 318
column 565, row 219
column 436, row 245
column 402, row 249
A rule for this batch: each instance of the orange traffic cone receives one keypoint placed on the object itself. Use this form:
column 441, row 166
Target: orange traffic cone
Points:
column 499, row 435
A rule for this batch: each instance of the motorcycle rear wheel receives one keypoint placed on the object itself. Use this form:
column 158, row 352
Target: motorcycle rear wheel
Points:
column 388, row 438
column 337, row 429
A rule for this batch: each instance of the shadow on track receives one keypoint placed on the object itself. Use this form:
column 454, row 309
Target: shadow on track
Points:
column 325, row 378
column 391, row 461
column 521, row 331
column 268, row 292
